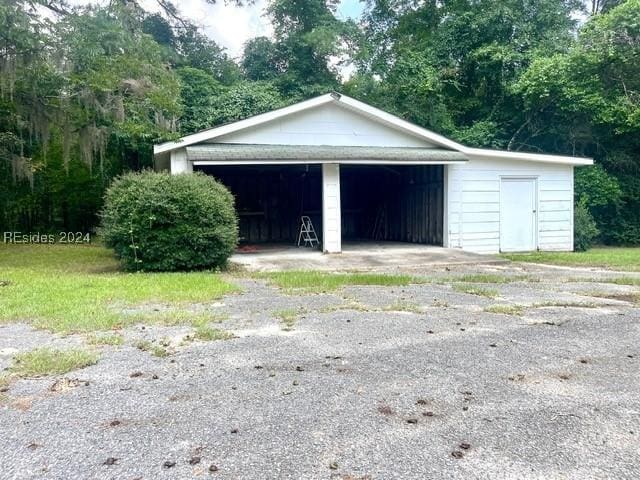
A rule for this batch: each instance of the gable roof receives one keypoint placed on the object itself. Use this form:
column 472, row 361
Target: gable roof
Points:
column 368, row 111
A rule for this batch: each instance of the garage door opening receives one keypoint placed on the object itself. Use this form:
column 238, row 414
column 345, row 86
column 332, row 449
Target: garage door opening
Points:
column 271, row 199
column 393, row 203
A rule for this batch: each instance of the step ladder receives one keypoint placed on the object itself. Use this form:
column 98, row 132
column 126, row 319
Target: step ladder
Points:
column 307, row 233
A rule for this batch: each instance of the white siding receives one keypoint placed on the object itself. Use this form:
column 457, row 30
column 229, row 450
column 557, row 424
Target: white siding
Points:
column 473, row 203
column 179, row 162
column 325, row 125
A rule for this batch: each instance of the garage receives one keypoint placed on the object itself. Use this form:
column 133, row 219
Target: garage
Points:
column 363, row 174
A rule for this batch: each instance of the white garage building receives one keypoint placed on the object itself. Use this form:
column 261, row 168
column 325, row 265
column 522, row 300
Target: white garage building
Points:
column 363, row 174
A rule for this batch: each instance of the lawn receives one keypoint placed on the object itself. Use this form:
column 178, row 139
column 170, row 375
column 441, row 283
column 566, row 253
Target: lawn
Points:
column 309, row 281
column 79, row 288
column 616, row 258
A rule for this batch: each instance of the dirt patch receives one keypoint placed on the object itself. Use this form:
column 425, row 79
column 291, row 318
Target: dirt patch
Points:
column 66, row 384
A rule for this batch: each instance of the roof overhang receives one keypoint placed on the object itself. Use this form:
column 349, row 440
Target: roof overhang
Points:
column 244, row 154
column 482, row 153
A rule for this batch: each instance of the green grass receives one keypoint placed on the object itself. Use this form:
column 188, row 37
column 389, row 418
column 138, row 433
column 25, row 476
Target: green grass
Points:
column 489, row 278
column 153, row 348
column 348, row 304
column 204, row 333
column 288, row 317
column 505, row 309
column 78, row 288
column 633, row 297
column 47, row 361
column 112, row 339
column 633, row 281
column 564, row 304
column 616, row 258
column 476, row 290
column 307, row 281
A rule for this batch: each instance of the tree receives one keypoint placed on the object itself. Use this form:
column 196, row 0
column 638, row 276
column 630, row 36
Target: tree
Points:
column 85, row 97
column 197, row 50
column 449, row 65
column 587, row 101
column 260, row 59
column 307, row 36
column 200, row 93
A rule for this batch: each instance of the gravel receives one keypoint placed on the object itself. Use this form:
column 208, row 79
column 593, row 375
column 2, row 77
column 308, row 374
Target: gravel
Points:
column 349, row 394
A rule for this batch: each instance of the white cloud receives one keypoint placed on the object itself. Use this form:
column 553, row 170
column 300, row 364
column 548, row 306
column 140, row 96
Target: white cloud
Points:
column 230, row 26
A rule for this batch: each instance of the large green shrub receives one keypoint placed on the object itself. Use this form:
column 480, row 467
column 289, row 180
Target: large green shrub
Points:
column 163, row 222
column 584, row 227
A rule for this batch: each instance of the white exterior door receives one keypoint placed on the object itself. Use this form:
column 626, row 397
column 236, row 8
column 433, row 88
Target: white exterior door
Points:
column 518, row 213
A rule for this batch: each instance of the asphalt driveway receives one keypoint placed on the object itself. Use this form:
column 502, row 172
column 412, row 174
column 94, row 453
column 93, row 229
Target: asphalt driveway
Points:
column 371, row 383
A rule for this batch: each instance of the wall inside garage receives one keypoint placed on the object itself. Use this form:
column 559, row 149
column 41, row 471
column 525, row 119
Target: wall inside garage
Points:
column 393, row 203
column 271, row 199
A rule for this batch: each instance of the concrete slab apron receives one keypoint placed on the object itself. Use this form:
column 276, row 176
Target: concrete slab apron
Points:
column 367, row 256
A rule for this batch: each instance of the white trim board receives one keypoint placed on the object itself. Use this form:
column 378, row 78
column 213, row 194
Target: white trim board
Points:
column 323, row 162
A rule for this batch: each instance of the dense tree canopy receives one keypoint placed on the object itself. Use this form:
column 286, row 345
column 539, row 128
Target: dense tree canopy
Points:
column 86, row 91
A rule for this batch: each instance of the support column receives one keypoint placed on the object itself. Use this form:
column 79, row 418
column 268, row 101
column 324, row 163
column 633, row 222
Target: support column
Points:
column 179, row 162
column 331, row 218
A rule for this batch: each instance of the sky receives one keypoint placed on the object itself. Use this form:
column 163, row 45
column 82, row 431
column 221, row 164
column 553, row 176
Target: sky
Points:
column 231, row 26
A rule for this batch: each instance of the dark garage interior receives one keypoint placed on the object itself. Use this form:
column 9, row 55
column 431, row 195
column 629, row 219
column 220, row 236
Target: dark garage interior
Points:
column 379, row 202
column 392, row 203
column 270, row 199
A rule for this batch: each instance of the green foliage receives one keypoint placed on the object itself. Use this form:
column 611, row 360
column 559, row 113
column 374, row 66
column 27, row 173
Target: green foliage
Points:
column 160, row 222
column 260, row 59
column 585, row 101
column 112, row 339
column 476, row 290
column 307, row 36
column 205, row 333
column 196, row 50
column 83, row 98
column 246, row 99
column 200, row 93
column 207, row 102
column 585, row 229
column 597, row 187
column 451, row 65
